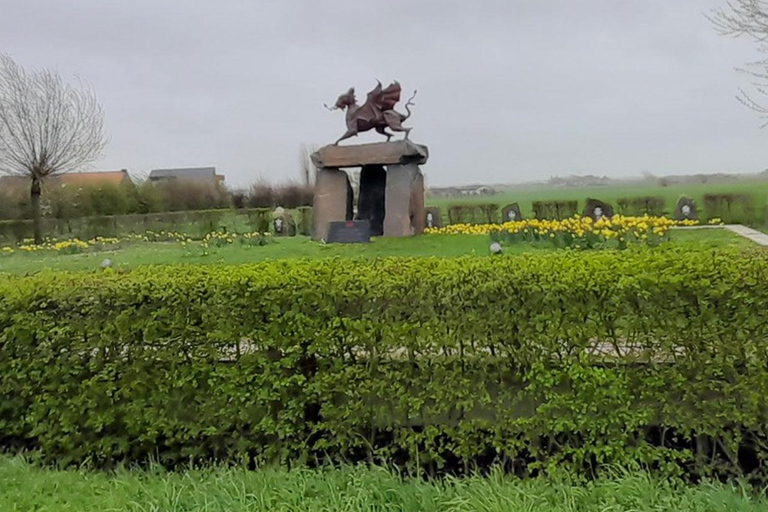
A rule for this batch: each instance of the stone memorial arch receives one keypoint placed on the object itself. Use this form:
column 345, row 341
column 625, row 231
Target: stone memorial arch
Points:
column 391, row 188
column 391, row 193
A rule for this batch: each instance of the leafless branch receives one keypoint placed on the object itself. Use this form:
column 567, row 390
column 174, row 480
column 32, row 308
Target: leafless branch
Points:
column 748, row 18
column 308, row 171
column 47, row 127
column 742, row 18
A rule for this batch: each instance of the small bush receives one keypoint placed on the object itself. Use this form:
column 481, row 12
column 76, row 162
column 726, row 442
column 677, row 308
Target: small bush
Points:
column 555, row 210
column 262, row 195
column 292, row 195
column 730, row 208
column 260, row 219
column 184, row 195
column 473, row 214
column 638, row 206
column 490, row 213
column 305, row 220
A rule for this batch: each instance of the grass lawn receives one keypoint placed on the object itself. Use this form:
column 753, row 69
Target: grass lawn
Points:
column 154, row 253
column 757, row 189
column 27, row 488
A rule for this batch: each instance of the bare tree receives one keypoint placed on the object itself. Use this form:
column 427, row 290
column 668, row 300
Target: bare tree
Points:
column 748, row 18
column 308, row 171
column 47, row 128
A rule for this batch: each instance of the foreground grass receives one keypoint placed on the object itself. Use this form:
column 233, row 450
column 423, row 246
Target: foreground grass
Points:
column 155, row 253
column 26, row 488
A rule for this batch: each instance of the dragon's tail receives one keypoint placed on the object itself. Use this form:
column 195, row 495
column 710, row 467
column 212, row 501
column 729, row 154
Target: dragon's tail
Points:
column 409, row 103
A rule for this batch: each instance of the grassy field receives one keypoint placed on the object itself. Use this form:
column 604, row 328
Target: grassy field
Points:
column 28, row 488
column 155, row 253
column 757, row 189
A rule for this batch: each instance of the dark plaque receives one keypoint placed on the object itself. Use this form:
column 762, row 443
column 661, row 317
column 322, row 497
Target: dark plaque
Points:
column 349, row 232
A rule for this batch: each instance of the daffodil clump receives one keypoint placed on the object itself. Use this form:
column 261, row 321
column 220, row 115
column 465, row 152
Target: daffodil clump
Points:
column 578, row 232
column 70, row 246
column 75, row 245
column 156, row 236
column 221, row 239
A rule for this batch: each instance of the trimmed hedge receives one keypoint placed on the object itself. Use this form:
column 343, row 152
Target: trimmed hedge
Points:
column 555, row 210
column 574, row 360
column 194, row 223
column 730, row 208
column 639, row 206
column 473, row 214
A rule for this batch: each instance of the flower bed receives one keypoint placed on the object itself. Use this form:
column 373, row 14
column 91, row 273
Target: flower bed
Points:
column 577, row 232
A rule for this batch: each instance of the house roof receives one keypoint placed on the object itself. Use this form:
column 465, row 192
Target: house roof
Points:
column 79, row 179
column 192, row 173
column 94, row 178
column 7, row 182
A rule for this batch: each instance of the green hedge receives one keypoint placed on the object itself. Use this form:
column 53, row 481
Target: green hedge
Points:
column 194, row 223
column 730, row 208
column 570, row 359
column 639, row 206
column 555, row 210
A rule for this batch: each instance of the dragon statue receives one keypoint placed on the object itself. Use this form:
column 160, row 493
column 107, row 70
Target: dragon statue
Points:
column 377, row 113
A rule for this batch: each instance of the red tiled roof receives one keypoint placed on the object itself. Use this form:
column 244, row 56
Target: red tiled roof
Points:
column 94, row 178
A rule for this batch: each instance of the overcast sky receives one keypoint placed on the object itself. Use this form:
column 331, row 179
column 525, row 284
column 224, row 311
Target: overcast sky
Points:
column 509, row 90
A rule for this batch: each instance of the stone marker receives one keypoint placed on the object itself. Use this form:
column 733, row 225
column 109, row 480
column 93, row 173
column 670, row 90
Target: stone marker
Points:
column 433, row 218
column 685, row 209
column 349, row 232
column 596, row 210
column 511, row 213
column 283, row 224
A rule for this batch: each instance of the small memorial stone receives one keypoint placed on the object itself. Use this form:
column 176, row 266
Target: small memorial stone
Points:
column 511, row 213
column 596, row 210
column 433, row 218
column 686, row 209
column 284, row 225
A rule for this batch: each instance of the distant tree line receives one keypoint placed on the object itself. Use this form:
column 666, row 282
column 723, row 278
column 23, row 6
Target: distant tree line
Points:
column 64, row 201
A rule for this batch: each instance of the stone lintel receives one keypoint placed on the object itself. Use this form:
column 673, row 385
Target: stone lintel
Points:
column 380, row 153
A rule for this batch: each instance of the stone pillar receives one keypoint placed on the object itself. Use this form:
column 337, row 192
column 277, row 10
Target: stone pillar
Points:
column 370, row 203
column 399, row 201
column 332, row 200
column 418, row 211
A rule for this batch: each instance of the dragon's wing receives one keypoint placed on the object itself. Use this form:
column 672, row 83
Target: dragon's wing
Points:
column 374, row 97
column 390, row 96
column 384, row 99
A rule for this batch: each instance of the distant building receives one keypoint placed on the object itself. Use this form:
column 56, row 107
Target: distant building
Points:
column 469, row 190
column 194, row 174
column 13, row 182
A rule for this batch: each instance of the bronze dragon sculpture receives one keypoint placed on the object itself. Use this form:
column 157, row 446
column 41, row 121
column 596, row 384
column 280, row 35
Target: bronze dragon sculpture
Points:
column 377, row 113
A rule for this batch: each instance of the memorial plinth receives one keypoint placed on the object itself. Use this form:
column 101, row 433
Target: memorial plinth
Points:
column 391, row 187
column 379, row 153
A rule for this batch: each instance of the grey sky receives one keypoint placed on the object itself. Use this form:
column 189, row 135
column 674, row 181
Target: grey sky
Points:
column 509, row 91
